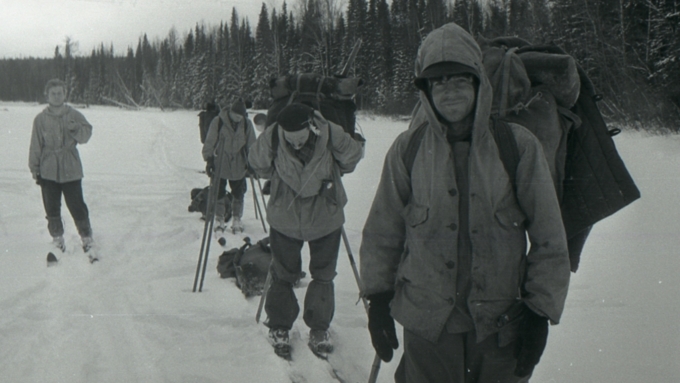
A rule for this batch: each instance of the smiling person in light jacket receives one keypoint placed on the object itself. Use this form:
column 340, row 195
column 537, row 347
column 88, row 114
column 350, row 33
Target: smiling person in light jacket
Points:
column 55, row 163
column 444, row 249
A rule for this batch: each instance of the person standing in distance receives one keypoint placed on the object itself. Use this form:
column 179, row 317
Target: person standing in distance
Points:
column 55, row 163
column 233, row 127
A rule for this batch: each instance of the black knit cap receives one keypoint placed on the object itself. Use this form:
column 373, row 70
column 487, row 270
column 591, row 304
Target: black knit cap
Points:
column 295, row 117
column 239, row 107
column 441, row 69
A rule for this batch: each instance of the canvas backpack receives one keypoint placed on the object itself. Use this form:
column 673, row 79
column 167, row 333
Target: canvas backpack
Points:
column 199, row 202
column 332, row 96
column 545, row 90
column 249, row 264
column 205, row 117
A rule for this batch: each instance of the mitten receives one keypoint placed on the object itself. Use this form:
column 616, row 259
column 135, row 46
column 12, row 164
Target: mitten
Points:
column 531, row 341
column 267, row 188
column 73, row 125
column 210, row 166
column 37, row 178
column 381, row 325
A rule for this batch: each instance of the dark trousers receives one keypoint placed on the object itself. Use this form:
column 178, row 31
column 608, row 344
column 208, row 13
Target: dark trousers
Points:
column 73, row 195
column 281, row 304
column 238, row 188
column 456, row 358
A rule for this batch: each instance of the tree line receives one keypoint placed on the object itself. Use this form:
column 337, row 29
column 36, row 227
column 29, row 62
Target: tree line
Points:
column 629, row 48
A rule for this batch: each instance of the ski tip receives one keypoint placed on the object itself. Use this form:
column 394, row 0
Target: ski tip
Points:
column 51, row 259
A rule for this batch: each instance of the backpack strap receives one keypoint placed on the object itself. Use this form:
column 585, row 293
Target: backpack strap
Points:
column 409, row 156
column 502, row 134
column 507, row 148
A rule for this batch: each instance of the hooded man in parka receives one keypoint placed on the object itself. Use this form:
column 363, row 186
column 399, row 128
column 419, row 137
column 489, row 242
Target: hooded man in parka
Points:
column 305, row 205
column 55, row 163
column 444, row 248
column 233, row 127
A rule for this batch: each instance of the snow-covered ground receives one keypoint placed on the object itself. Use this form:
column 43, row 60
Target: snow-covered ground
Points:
column 133, row 316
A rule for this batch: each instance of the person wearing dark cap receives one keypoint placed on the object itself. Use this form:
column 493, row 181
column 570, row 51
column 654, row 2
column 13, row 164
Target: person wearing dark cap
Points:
column 237, row 132
column 304, row 156
column 444, row 248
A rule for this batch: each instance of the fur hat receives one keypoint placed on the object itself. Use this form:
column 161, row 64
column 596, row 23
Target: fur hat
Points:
column 295, row 117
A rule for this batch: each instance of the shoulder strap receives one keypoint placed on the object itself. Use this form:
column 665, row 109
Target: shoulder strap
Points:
column 507, row 148
column 219, row 124
column 413, row 146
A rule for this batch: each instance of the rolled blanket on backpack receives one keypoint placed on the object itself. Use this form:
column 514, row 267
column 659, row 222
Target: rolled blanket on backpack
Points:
column 555, row 72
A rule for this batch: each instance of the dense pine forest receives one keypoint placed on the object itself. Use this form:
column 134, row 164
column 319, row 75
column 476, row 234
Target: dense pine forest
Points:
column 629, row 48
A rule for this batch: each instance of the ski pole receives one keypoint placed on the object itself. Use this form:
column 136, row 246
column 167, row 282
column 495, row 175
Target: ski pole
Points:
column 263, row 297
column 257, row 205
column 207, row 228
column 210, row 218
column 264, row 203
column 375, row 367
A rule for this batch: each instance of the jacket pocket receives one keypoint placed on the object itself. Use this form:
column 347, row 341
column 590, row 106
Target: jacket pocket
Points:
column 329, row 191
column 511, row 217
column 415, row 214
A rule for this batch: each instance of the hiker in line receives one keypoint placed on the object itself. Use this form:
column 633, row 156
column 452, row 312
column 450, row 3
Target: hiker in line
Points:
column 304, row 156
column 55, row 163
column 237, row 132
column 444, row 250
column 205, row 117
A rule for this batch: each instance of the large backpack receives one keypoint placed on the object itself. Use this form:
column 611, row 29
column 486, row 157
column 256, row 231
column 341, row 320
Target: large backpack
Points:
column 205, row 117
column 332, row 96
column 249, row 264
column 545, row 90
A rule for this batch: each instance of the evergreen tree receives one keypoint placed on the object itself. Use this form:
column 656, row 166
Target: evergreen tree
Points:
column 265, row 59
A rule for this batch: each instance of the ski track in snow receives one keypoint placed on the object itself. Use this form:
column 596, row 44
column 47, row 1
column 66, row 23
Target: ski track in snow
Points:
column 132, row 316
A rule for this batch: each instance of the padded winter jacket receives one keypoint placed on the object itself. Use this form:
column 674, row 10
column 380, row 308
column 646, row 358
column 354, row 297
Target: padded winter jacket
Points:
column 306, row 200
column 410, row 237
column 234, row 156
column 53, row 154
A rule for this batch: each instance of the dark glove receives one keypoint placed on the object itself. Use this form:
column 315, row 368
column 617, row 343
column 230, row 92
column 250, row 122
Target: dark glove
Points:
column 267, row 188
column 38, row 179
column 210, row 166
column 251, row 173
column 381, row 325
column 531, row 341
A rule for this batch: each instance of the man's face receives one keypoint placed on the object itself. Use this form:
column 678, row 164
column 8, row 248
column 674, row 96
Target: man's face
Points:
column 296, row 139
column 453, row 96
column 56, row 95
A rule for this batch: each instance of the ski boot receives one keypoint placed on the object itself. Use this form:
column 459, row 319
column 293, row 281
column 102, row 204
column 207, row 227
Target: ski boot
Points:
column 280, row 340
column 88, row 242
column 320, row 343
column 237, row 225
column 237, row 213
column 58, row 242
column 220, row 225
column 88, row 249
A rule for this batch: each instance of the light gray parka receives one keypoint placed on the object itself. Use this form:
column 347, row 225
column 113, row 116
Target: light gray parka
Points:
column 53, row 154
column 410, row 234
column 297, row 207
column 234, row 157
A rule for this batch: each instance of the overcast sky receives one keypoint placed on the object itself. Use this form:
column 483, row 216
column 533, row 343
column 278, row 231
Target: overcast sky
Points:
column 35, row 27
